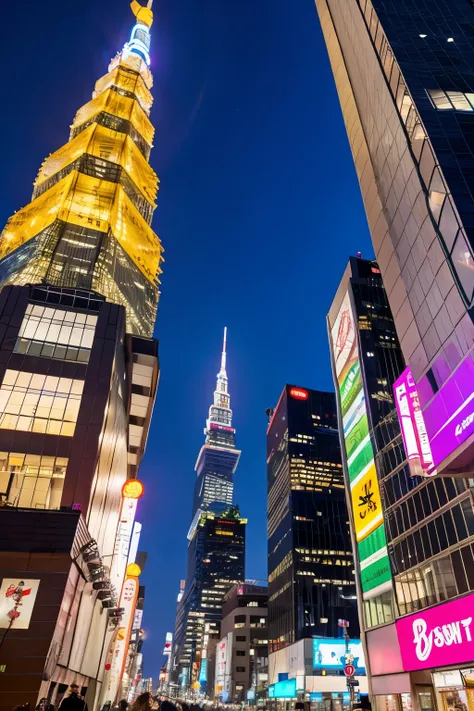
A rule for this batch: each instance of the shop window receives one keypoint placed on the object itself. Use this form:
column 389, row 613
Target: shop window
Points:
column 56, row 333
column 31, row 480
column 38, row 403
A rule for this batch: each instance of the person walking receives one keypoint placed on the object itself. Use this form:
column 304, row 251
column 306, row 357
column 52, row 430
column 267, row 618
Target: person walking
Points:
column 73, row 701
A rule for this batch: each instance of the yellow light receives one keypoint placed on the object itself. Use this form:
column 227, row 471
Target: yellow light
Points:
column 133, row 489
column 133, row 570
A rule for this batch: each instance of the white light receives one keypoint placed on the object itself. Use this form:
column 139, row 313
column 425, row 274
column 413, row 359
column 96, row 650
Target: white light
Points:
column 450, row 39
column 422, row 36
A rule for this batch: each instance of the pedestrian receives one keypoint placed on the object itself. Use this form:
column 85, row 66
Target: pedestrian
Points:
column 44, row 705
column 123, row 705
column 142, row 702
column 73, row 701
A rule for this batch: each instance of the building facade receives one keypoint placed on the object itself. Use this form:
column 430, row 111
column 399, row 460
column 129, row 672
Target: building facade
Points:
column 311, row 582
column 79, row 373
column 404, row 74
column 425, row 518
column 241, row 662
column 216, row 549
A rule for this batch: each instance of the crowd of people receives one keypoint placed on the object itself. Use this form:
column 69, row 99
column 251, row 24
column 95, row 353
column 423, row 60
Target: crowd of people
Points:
column 73, row 701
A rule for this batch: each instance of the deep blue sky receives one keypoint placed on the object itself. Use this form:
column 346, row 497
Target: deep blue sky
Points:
column 258, row 211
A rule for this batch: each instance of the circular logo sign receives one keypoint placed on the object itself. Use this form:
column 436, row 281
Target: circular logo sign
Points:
column 132, row 489
column 349, row 670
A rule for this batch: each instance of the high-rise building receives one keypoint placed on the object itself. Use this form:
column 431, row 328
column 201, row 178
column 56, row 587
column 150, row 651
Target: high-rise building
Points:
column 416, row 555
column 405, row 77
column 311, row 582
column 218, row 458
column 216, row 550
column 78, row 378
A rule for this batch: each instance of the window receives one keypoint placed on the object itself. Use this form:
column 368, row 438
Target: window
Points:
column 240, row 638
column 240, row 669
column 55, row 333
column 450, row 100
column 39, row 403
column 240, row 653
column 32, row 481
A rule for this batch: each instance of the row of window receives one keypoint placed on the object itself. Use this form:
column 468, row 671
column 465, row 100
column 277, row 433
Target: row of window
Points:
column 446, row 530
column 440, row 203
column 422, row 503
column 437, row 581
column 39, row 403
column 451, row 100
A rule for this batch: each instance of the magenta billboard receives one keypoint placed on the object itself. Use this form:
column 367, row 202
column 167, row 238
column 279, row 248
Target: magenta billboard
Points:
column 410, row 415
column 439, row 636
column 448, row 421
column 449, row 418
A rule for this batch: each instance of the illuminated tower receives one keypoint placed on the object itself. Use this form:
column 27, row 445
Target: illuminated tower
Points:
column 216, row 550
column 88, row 223
column 218, row 458
column 78, row 378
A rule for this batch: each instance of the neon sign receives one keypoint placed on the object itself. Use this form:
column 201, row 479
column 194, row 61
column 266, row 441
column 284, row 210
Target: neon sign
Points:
column 298, row 393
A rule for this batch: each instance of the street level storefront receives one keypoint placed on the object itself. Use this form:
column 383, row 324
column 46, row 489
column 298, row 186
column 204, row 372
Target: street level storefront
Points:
column 425, row 661
column 312, row 670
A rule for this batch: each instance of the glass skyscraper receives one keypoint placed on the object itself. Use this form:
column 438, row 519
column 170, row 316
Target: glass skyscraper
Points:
column 310, row 562
column 404, row 72
column 216, row 550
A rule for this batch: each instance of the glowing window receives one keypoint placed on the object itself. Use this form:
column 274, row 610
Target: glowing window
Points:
column 39, row 403
column 31, row 480
column 56, row 333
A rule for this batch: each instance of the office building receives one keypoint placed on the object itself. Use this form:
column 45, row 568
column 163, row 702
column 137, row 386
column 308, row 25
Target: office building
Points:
column 404, row 74
column 78, row 378
column 311, row 582
column 424, row 516
column 216, row 550
column 241, row 660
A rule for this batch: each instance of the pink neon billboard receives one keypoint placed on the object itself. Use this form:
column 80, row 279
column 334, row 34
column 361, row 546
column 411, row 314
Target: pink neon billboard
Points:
column 431, row 435
column 439, row 636
column 414, row 435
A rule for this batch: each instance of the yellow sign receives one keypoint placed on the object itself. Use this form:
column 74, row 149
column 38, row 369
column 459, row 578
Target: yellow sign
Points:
column 366, row 503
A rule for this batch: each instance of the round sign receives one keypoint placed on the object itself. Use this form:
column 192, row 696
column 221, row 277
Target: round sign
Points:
column 349, row 670
column 132, row 489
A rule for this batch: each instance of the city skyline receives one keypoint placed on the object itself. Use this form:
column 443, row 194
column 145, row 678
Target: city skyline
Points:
column 261, row 360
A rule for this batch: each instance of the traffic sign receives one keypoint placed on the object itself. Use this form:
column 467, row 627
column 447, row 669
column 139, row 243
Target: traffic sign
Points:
column 349, row 670
column 352, row 682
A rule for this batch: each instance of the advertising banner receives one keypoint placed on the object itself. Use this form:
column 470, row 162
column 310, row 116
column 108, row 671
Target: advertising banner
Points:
column 332, row 654
column 449, row 418
column 128, row 601
column 17, row 601
column 437, row 637
column 366, row 502
column 414, row 435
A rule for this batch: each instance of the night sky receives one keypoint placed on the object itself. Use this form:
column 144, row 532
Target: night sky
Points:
column 258, row 210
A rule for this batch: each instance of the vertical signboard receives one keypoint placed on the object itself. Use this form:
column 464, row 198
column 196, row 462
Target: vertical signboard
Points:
column 412, row 424
column 367, row 514
column 117, row 659
column 17, row 600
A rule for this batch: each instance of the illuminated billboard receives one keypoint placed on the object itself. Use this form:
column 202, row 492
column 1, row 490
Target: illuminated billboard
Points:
column 285, row 689
column 331, row 653
column 447, row 422
column 366, row 505
column 17, row 600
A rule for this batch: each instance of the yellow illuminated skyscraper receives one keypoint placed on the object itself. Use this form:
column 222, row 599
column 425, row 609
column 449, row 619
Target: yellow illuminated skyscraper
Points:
column 88, row 223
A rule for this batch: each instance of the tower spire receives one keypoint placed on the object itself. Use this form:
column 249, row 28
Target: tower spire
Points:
column 224, row 353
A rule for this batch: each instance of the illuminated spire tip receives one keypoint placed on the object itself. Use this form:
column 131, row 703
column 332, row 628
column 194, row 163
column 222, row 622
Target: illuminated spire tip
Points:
column 224, row 351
